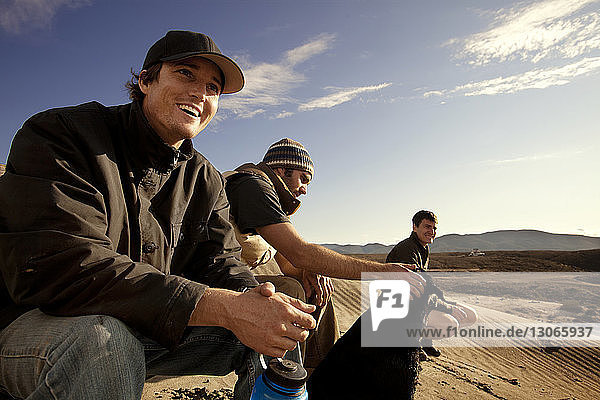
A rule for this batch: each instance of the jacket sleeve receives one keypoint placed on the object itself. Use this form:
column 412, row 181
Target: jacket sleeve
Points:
column 54, row 250
column 220, row 251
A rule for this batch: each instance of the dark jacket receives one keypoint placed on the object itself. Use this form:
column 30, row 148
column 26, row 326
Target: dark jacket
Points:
column 410, row 251
column 99, row 216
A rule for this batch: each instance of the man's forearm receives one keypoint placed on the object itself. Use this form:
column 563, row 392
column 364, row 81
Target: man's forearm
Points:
column 287, row 268
column 318, row 259
column 321, row 260
column 212, row 308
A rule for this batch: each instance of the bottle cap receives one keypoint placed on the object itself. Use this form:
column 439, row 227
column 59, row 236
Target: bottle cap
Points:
column 286, row 373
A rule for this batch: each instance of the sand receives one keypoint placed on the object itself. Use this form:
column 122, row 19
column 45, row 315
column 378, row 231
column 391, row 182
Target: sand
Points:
column 468, row 373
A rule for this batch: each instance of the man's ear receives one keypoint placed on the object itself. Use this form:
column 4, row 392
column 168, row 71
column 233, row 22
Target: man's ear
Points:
column 279, row 171
column 142, row 82
column 414, row 228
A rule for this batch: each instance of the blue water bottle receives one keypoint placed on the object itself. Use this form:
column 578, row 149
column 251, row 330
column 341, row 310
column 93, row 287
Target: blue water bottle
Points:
column 283, row 380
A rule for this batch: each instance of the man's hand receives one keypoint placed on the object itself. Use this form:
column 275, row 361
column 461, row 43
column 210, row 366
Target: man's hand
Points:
column 318, row 287
column 412, row 267
column 271, row 323
column 416, row 281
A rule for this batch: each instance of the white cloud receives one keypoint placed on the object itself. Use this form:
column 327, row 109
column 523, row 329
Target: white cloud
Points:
column 532, row 32
column 535, row 157
column 317, row 46
column 534, row 79
column 284, row 114
column 565, row 32
column 342, row 96
column 253, row 113
column 270, row 84
column 433, row 93
column 17, row 15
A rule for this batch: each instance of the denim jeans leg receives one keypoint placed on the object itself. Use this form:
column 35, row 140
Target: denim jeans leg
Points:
column 90, row 357
column 206, row 351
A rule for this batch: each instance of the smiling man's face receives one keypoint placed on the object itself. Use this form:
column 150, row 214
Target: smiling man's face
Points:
column 180, row 103
column 425, row 231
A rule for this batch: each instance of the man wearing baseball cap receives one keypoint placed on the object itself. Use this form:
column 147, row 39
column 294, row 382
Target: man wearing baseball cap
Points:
column 263, row 196
column 118, row 258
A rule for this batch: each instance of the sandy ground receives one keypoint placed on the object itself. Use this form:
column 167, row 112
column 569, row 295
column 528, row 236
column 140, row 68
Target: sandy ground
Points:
column 465, row 372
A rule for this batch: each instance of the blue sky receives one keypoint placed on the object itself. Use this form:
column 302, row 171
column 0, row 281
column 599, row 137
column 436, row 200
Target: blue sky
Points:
column 485, row 112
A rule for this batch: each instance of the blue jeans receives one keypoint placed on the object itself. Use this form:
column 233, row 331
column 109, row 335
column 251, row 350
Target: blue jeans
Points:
column 99, row 357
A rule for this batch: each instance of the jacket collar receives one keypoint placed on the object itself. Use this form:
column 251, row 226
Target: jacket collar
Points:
column 147, row 149
column 415, row 238
column 289, row 203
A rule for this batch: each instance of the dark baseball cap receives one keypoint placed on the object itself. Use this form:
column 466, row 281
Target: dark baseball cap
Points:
column 177, row 45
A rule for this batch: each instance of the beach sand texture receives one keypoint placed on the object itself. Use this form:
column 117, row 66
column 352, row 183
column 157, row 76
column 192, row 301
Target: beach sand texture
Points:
column 460, row 372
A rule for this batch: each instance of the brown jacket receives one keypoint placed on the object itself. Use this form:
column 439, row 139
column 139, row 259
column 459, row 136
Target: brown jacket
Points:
column 99, row 216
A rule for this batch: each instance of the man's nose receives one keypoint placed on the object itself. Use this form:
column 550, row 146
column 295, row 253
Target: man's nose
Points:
column 199, row 91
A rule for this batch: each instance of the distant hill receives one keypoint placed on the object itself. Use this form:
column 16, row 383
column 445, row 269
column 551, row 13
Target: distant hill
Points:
column 505, row 240
column 515, row 240
column 371, row 248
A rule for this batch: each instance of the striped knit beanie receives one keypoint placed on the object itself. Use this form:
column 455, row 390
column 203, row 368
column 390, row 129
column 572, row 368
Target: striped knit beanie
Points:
column 288, row 153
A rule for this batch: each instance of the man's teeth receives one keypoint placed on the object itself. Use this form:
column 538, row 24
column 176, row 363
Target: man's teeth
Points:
column 189, row 110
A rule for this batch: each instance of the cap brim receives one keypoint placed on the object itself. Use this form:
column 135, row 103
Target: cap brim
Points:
column 234, row 78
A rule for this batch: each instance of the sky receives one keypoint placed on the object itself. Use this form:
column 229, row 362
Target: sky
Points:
column 481, row 111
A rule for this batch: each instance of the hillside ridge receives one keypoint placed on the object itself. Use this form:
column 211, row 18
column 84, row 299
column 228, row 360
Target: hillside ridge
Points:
column 500, row 240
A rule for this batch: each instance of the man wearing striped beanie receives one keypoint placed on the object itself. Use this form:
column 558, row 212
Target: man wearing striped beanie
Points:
column 262, row 198
column 289, row 154
column 267, row 194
